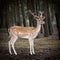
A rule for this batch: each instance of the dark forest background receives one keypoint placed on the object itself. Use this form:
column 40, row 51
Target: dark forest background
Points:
column 16, row 12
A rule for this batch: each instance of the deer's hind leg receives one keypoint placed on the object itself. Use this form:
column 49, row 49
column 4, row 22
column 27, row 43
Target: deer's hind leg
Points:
column 11, row 44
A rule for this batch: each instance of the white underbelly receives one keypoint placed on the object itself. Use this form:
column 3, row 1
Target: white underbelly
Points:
column 21, row 35
column 25, row 37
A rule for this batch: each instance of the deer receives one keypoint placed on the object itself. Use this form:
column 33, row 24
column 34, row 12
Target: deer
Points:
column 28, row 32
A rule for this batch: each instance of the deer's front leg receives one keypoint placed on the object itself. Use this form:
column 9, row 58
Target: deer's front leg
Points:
column 33, row 47
column 31, row 42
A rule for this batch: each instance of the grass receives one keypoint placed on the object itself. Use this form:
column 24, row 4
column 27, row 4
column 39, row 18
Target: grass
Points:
column 37, row 42
column 47, row 43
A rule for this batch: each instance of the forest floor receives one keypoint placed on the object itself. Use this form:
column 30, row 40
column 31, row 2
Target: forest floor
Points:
column 45, row 49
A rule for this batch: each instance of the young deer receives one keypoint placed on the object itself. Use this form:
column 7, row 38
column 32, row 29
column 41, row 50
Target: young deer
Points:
column 25, row 32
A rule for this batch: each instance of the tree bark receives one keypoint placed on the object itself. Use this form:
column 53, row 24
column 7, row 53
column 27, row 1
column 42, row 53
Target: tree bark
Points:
column 57, row 14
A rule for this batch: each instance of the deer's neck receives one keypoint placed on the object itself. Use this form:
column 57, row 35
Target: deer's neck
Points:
column 38, row 28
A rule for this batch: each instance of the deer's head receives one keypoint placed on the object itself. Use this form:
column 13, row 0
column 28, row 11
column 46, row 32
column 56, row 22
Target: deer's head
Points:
column 40, row 18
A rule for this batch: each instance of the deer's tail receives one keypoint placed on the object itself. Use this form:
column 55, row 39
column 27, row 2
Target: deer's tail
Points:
column 9, row 33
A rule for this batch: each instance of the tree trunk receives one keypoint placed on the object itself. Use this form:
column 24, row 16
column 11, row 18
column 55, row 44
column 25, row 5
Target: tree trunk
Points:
column 57, row 14
column 22, row 9
column 46, row 31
